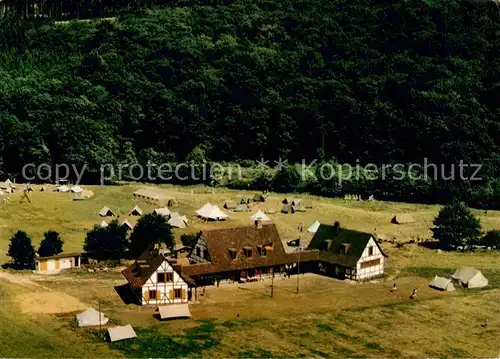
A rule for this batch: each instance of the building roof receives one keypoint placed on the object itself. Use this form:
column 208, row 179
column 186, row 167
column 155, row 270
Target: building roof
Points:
column 152, row 193
column 355, row 240
column 220, row 241
column 61, row 255
column 174, row 311
column 150, row 264
column 121, row 332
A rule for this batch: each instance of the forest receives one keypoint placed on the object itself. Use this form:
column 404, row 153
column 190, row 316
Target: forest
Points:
column 372, row 81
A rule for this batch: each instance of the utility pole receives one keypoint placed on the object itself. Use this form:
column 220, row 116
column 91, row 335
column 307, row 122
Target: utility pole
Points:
column 272, row 284
column 99, row 305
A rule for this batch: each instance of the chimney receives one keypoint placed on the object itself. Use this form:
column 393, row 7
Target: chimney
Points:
column 258, row 224
column 336, row 226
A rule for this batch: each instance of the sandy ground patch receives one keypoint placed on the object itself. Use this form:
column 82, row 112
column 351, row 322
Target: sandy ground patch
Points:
column 49, row 303
column 19, row 279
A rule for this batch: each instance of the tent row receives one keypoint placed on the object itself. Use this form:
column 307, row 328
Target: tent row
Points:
column 465, row 277
column 106, row 212
column 297, row 202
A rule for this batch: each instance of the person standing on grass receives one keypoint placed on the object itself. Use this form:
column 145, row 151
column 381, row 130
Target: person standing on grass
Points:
column 394, row 287
column 414, row 293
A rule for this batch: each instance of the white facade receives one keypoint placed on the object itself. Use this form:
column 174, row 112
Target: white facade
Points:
column 371, row 263
column 54, row 265
column 165, row 286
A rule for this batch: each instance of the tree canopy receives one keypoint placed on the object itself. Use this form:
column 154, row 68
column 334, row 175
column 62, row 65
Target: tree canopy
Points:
column 151, row 229
column 380, row 82
column 456, row 225
column 105, row 243
column 51, row 244
column 21, row 251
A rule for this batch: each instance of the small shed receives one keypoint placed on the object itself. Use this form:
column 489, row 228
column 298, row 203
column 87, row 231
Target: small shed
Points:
column 403, row 218
column 136, row 211
column 121, row 333
column 230, row 204
column 105, row 212
column 54, row 264
column 442, row 284
column 174, row 311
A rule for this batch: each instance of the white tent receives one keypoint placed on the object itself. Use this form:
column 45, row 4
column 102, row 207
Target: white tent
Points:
column 136, row 211
column 177, row 222
column 314, row 227
column 213, row 212
column 120, row 333
column 104, row 224
column 91, row 317
column 63, row 189
column 127, row 224
column 76, row 189
column 174, row 311
column 470, row 277
column 260, row 216
column 164, row 211
column 441, row 283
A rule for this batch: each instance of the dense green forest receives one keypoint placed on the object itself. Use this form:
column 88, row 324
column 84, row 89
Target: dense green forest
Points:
column 372, row 81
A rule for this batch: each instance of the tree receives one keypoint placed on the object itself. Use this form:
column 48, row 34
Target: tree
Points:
column 286, row 180
column 491, row 239
column 150, row 229
column 21, row 251
column 106, row 242
column 456, row 225
column 189, row 239
column 51, row 244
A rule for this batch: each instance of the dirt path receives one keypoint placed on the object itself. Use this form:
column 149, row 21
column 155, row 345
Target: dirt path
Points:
column 20, row 279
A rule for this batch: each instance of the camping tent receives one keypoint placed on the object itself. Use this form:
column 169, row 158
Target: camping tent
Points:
column 259, row 197
column 213, row 212
column 178, row 222
column 241, row 208
column 314, row 227
column 63, row 189
column 402, row 219
column 174, row 311
column 287, row 208
column 287, row 201
column 105, row 212
column 245, row 200
column 470, row 277
column 136, row 211
column 76, row 189
column 91, row 317
column 104, row 224
column 441, row 283
column 299, row 207
column 230, row 204
column 120, row 333
column 307, row 203
column 260, row 216
column 127, row 224
column 164, row 211
column 296, row 201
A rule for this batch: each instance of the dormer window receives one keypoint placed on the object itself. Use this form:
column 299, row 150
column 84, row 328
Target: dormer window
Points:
column 232, row 253
column 247, row 251
column 327, row 244
column 370, row 250
column 344, row 248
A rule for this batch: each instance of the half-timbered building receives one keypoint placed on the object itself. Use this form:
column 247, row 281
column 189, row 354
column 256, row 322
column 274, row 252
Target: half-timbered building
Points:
column 155, row 280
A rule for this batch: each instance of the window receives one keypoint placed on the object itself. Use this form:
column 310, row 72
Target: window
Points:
column 152, row 294
column 165, row 277
column 205, row 253
column 232, row 253
column 371, row 263
column 259, row 250
column 198, row 251
column 370, row 250
column 177, row 293
column 247, row 251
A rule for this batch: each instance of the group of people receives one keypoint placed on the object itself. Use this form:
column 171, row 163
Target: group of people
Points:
column 413, row 293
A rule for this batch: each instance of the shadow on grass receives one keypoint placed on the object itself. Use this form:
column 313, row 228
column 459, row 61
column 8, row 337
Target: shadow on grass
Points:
column 126, row 294
column 264, row 294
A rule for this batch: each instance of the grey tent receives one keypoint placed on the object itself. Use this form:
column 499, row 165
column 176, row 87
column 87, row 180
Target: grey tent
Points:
column 241, row 208
column 443, row 284
column 230, row 204
column 136, row 211
column 120, row 333
column 299, row 207
column 91, row 317
column 105, row 212
column 174, row 311
column 287, row 208
column 402, row 219
column 245, row 200
column 469, row 277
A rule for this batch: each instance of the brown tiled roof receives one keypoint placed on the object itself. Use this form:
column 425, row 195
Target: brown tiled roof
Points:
column 220, row 241
column 137, row 279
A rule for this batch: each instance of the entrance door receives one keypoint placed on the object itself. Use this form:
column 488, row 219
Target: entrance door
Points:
column 57, row 263
column 77, row 261
column 43, row 265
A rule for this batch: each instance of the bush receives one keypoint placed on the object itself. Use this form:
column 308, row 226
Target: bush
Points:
column 491, row 239
column 21, row 251
column 106, row 243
